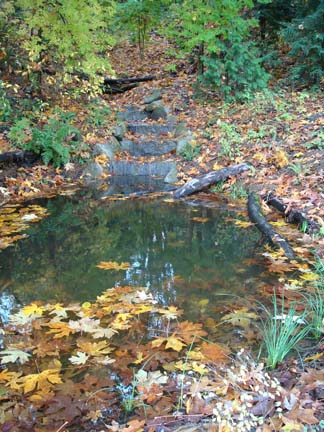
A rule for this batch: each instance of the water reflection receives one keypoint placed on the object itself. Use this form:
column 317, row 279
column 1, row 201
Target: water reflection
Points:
column 176, row 257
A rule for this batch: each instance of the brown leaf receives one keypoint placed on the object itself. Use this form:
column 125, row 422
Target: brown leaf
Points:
column 215, row 352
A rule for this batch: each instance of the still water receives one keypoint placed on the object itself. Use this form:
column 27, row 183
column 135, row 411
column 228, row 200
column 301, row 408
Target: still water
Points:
column 185, row 255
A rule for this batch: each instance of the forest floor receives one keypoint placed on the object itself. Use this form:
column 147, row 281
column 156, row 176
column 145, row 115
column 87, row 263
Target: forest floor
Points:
column 281, row 134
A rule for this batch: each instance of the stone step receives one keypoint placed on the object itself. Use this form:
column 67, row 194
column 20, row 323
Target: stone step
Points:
column 127, row 185
column 142, row 168
column 132, row 113
column 148, row 147
column 151, row 128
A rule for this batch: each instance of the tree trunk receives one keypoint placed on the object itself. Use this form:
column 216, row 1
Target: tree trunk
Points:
column 291, row 215
column 206, row 180
column 256, row 216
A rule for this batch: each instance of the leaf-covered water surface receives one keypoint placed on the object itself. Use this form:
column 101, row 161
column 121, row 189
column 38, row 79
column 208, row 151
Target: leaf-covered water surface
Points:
column 122, row 298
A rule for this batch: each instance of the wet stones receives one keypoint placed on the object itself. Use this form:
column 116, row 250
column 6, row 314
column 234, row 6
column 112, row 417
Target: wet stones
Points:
column 149, row 142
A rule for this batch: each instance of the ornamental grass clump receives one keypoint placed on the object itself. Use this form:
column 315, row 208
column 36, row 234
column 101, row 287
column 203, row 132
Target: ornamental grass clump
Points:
column 282, row 332
column 315, row 307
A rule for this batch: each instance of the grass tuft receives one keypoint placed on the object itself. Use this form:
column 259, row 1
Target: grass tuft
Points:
column 282, row 332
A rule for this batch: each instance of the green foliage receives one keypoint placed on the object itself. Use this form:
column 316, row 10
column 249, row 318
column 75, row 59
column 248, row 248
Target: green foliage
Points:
column 230, row 140
column 319, row 269
column 6, row 110
column 237, row 190
column 305, row 35
column 282, row 332
column 272, row 14
column 53, row 142
column 68, row 35
column 19, row 131
column 317, row 140
column 139, row 17
column 236, row 72
column 99, row 113
column 190, row 151
column 216, row 33
column 315, row 307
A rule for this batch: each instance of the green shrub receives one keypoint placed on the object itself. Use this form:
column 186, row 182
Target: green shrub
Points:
column 214, row 35
column 54, row 142
column 6, row 110
column 230, row 140
column 98, row 115
column 236, row 71
column 190, row 151
column 139, row 17
column 305, row 35
column 19, row 131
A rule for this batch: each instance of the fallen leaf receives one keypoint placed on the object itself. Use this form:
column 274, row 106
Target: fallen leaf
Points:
column 13, row 356
column 113, row 265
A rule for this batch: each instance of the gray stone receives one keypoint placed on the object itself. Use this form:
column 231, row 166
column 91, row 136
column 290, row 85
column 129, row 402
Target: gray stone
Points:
column 183, row 142
column 153, row 96
column 181, row 129
column 153, row 129
column 171, row 177
column 148, row 147
column 152, row 106
column 92, row 172
column 103, row 149
column 158, row 113
column 131, row 114
column 139, row 168
column 119, row 130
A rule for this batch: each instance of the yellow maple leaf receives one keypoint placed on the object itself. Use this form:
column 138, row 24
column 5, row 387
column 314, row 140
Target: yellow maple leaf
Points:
column 101, row 159
column 95, row 348
column 281, row 158
column 171, row 342
column 43, row 380
column 113, row 265
column 59, row 329
column 279, row 223
column 143, row 308
column 139, row 359
column 32, row 309
column 172, row 312
column 310, row 277
column 200, row 368
column 314, row 356
column 216, row 166
column 243, row 224
column 5, row 375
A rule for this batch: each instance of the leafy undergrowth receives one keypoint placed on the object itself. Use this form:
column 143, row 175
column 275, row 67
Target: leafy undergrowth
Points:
column 125, row 363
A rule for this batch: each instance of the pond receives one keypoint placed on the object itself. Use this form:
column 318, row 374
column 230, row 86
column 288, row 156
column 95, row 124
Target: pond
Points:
column 188, row 255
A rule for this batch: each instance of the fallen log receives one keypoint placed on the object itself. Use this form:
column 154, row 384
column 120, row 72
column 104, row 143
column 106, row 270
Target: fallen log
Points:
column 256, row 216
column 119, row 81
column 19, row 157
column 292, row 216
column 119, row 89
column 121, row 85
column 201, row 182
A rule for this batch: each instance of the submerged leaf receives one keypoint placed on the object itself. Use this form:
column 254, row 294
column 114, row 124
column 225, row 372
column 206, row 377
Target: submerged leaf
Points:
column 13, row 356
column 240, row 317
column 79, row 359
column 43, row 380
